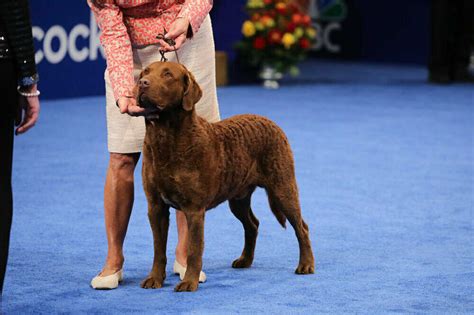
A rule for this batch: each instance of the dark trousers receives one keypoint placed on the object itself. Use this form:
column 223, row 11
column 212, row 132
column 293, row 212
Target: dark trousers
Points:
column 8, row 104
column 452, row 26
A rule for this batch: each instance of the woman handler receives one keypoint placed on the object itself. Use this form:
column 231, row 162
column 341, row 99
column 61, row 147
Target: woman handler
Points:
column 129, row 37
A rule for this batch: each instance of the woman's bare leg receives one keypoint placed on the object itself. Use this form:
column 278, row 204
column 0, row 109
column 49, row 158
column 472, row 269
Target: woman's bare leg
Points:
column 182, row 226
column 118, row 203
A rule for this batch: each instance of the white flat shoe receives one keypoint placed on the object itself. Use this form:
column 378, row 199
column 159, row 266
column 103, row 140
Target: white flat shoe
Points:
column 180, row 270
column 107, row 282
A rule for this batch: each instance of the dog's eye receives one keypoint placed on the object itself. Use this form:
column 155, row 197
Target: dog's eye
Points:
column 146, row 71
column 168, row 75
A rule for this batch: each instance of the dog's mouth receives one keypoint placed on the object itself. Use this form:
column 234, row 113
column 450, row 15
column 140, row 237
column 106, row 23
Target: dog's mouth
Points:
column 151, row 110
column 146, row 103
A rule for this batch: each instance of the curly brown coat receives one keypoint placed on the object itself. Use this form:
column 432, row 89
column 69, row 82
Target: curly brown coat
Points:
column 193, row 165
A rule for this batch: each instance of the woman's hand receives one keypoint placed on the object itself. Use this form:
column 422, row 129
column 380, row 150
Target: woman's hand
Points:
column 177, row 32
column 128, row 105
column 28, row 112
column 124, row 103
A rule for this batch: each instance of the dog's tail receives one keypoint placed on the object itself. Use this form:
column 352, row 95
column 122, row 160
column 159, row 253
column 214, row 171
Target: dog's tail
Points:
column 275, row 206
column 280, row 217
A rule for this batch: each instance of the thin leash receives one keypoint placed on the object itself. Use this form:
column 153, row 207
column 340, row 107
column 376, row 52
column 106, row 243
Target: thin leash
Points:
column 170, row 42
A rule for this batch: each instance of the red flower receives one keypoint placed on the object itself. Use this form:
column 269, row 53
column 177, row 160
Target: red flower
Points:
column 306, row 20
column 274, row 37
column 271, row 13
column 305, row 43
column 292, row 7
column 259, row 43
column 255, row 17
column 267, row 2
column 290, row 27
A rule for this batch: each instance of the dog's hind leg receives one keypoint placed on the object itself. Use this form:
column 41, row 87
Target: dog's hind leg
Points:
column 241, row 209
column 284, row 200
column 159, row 217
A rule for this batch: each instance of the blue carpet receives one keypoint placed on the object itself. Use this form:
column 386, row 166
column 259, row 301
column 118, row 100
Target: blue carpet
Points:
column 385, row 169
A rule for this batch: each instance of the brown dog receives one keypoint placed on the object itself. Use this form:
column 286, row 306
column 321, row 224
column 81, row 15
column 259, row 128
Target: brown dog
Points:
column 193, row 165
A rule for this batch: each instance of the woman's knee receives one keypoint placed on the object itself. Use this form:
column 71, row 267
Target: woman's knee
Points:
column 123, row 162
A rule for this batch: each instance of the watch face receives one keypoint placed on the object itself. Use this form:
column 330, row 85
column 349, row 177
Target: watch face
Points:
column 29, row 80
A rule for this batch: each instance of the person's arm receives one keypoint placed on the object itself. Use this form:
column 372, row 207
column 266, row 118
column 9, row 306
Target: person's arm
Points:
column 15, row 15
column 117, row 46
column 188, row 22
column 195, row 11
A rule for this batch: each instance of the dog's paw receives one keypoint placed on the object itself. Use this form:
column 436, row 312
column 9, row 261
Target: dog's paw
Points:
column 152, row 282
column 242, row 262
column 304, row 269
column 186, row 286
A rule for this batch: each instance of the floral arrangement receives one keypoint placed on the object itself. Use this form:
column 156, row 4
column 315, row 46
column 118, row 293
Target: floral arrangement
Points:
column 278, row 34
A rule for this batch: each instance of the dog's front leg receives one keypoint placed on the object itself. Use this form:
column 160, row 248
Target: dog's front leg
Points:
column 159, row 216
column 195, row 220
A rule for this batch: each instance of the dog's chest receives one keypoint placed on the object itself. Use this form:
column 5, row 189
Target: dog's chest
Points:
column 178, row 188
column 177, row 185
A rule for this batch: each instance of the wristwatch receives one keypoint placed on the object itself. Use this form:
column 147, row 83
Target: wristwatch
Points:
column 30, row 80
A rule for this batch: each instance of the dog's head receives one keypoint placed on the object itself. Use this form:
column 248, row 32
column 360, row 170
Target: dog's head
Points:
column 164, row 86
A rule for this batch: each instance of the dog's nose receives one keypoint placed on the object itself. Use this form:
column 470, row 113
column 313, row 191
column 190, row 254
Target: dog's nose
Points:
column 144, row 83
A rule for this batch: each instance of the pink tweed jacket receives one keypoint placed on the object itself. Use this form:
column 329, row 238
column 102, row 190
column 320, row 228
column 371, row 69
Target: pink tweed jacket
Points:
column 130, row 23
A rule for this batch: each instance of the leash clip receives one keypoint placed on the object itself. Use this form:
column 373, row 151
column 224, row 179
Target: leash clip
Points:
column 170, row 42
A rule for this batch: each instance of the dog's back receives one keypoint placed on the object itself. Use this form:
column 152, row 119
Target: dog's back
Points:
column 253, row 151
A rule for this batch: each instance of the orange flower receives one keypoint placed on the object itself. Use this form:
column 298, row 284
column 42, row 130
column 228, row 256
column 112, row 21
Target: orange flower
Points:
column 281, row 7
column 267, row 21
column 274, row 37
column 255, row 17
column 297, row 18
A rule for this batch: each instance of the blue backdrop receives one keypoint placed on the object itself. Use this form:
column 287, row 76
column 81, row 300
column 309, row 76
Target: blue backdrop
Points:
column 71, row 62
column 69, row 59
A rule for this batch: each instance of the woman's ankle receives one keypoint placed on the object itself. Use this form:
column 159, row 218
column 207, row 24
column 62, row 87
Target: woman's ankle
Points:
column 181, row 257
column 113, row 263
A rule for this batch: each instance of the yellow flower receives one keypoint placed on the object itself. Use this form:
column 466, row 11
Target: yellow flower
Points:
column 288, row 40
column 248, row 29
column 259, row 26
column 311, row 32
column 294, row 71
column 255, row 4
column 299, row 32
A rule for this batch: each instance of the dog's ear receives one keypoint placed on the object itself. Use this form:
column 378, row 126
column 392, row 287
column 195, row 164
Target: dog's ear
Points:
column 192, row 92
